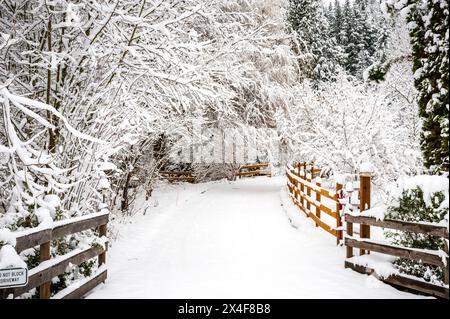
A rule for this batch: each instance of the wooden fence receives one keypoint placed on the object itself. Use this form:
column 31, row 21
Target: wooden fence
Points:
column 255, row 170
column 366, row 245
column 426, row 256
column 177, row 176
column 302, row 183
column 308, row 194
column 41, row 275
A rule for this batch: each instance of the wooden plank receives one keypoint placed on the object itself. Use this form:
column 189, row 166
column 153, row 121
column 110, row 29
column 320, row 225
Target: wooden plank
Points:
column 338, row 213
column 46, row 274
column 262, row 172
column 435, row 230
column 358, row 268
column 181, row 179
column 72, row 228
column 254, row 166
column 38, row 237
column 102, row 229
column 322, row 207
column 327, row 194
column 33, row 239
column 318, row 200
column 349, row 249
column 446, row 270
column 397, row 251
column 425, row 287
column 308, row 202
column 328, row 211
column 364, row 197
column 44, row 288
column 87, row 286
column 322, row 224
column 407, row 282
column 302, row 191
column 176, row 173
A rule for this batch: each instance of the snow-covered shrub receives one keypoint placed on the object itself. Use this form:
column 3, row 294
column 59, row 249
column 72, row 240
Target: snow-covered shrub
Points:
column 422, row 198
column 36, row 186
column 347, row 123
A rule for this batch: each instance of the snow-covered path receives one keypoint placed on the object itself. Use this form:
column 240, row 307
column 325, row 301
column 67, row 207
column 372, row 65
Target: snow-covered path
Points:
column 229, row 240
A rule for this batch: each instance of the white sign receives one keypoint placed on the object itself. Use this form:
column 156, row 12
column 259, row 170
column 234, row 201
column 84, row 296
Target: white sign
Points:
column 13, row 277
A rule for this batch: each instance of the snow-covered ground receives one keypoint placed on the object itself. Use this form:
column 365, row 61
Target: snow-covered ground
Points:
column 230, row 240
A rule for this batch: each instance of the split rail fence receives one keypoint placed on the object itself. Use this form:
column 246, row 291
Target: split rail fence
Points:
column 366, row 245
column 301, row 184
column 178, row 176
column 255, row 169
column 48, row 268
column 308, row 194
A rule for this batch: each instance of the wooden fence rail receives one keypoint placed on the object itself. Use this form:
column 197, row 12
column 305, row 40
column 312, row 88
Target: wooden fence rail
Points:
column 426, row 256
column 178, row 176
column 255, row 169
column 301, row 185
column 48, row 268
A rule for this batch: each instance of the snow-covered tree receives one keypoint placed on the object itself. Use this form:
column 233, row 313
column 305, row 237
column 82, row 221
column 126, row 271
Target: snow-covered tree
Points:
column 317, row 51
column 361, row 31
column 428, row 21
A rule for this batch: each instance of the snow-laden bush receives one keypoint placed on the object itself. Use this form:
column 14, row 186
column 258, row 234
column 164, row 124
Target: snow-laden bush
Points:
column 35, row 187
column 422, row 198
column 347, row 123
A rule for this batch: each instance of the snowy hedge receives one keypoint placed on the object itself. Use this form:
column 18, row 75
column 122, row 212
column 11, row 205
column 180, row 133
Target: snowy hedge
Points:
column 423, row 198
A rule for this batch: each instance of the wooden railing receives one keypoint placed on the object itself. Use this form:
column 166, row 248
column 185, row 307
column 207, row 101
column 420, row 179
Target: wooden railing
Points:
column 431, row 257
column 308, row 194
column 177, row 176
column 41, row 275
column 255, row 169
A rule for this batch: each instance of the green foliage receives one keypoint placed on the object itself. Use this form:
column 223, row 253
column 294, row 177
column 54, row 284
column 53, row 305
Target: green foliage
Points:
column 26, row 222
column 360, row 33
column 62, row 246
column 86, row 267
column 319, row 55
column 60, row 283
column 377, row 72
column 429, row 40
column 413, row 208
column 430, row 49
column 32, row 259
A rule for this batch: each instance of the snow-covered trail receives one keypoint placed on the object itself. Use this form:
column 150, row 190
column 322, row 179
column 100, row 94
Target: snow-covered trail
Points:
column 230, row 240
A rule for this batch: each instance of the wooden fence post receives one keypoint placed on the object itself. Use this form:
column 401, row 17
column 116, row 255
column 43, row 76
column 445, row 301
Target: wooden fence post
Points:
column 302, row 187
column 44, row 254
column 446, row 279
column 318, row 199
column 349, row 249
column 308, row 193
column 102, row 232
column 338, row 214
column 364, row 204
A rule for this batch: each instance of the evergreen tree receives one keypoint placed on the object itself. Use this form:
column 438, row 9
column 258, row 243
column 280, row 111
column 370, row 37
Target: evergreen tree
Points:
column 368, row 34
column 353, row 38
column 429, row 40
column 357, row 29
column 336, row 22
column 316, row 48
